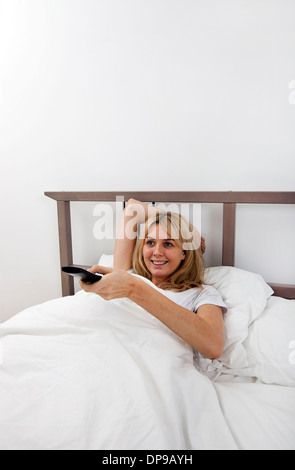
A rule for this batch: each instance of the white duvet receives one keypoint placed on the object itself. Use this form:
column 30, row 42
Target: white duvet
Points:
column 83, row 373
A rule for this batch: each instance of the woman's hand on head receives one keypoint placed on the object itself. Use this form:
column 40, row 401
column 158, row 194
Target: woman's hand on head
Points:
column 203, row 245
column 115, row 283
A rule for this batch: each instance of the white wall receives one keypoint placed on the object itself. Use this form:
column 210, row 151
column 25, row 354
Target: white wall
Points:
column 138, row 95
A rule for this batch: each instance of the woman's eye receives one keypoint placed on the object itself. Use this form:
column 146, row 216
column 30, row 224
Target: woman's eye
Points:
column 152, row 243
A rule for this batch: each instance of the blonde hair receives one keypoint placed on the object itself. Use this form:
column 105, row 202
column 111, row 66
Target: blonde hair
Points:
column 190, row 272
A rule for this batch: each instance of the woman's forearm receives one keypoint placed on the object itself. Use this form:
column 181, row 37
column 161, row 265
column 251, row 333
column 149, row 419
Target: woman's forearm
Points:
column 125, row 242
column 205, row 336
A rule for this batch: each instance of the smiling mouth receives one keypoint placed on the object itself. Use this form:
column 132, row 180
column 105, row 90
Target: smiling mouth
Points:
column 159, row 263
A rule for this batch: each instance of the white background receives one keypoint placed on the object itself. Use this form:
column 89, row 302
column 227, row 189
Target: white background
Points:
column 142, row 95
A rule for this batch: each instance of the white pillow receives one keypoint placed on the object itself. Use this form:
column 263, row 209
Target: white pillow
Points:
column 245, row 295
column 270, row 345
column 106, row 260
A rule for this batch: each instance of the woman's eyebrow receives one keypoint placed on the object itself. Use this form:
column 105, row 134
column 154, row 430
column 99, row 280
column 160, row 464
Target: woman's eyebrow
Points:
column 166, row 239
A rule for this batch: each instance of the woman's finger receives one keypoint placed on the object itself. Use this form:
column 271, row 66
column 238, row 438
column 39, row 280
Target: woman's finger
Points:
column 100, row 269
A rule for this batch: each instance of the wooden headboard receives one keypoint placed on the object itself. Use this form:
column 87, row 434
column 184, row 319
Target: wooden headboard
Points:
column 229, row 199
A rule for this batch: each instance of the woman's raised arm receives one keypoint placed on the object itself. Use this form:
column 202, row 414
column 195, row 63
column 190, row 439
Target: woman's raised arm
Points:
column 134, row 214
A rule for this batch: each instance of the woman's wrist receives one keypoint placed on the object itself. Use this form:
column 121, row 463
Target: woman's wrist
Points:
column 137, row 210
column 135, row 287
column 140, row 211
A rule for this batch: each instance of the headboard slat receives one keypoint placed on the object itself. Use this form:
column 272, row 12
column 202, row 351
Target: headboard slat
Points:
column 283, row 290
column 237, row 197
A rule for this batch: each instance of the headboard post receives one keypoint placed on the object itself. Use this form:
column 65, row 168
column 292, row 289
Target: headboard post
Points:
column 65, row 245
column 229, row 232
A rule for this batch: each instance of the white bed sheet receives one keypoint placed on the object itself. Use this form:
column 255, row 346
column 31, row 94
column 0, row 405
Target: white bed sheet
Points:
column 260, row 416
column 83, row 373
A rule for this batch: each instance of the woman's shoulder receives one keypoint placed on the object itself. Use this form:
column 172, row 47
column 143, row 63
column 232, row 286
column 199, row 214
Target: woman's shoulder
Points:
column 210, row 295
column 209, row 289
column 194, row 297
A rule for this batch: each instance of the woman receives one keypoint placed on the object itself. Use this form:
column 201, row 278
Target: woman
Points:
column 167, row 255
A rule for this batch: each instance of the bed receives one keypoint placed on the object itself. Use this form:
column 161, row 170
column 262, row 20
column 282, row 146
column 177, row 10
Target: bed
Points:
column 79, row 372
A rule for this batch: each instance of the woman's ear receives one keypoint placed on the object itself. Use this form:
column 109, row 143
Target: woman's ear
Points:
column 183, row 256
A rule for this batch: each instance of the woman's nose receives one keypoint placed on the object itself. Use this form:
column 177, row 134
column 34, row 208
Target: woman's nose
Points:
column 158, row 250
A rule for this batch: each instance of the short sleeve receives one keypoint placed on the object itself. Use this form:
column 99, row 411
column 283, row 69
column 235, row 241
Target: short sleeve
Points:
column 209, row 295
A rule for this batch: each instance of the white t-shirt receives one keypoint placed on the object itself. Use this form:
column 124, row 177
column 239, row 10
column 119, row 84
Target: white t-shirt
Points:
column 192, row 299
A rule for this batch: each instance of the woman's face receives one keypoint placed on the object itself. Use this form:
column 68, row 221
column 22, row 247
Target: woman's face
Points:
column 161, row 254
